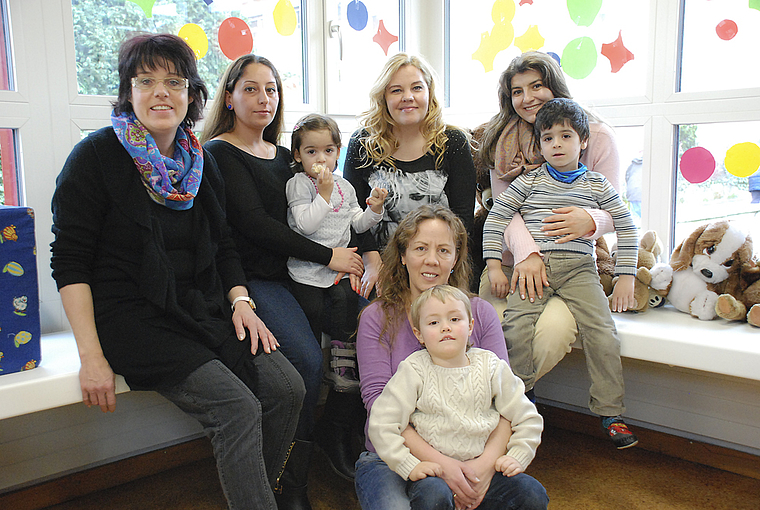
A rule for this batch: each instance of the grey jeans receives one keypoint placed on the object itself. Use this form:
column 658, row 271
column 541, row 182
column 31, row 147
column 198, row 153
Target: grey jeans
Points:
column 573, row 278
column 251, row 416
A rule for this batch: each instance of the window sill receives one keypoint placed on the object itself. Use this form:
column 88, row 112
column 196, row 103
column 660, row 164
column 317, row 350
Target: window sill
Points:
column 662, row 335
column 52, row 384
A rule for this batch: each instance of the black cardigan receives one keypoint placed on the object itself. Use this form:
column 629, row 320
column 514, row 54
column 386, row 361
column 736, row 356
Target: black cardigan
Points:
column 107, row 236
column 257, row 211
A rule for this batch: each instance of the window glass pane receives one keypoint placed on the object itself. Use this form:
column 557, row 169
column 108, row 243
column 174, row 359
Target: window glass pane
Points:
column 630, row 141
column 364, row 34
column 8, row 176
column 718, row 176
column 720, row 37
column 218, row 31
column 603, row 54
column 6, row 62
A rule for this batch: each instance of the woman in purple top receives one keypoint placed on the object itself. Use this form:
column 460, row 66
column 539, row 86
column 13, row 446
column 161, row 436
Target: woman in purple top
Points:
column 423, row 252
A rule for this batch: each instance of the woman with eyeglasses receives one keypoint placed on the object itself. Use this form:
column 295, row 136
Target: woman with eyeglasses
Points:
column 152, row 284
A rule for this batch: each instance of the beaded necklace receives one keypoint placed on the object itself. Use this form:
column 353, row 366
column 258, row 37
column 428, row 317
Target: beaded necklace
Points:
column 340, row 192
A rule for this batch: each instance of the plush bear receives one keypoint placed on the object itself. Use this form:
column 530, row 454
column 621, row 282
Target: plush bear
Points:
column 713, row 273
column 650, row 249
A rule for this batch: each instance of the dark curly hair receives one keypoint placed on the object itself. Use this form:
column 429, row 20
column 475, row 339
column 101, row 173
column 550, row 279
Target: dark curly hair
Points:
column 152, row 51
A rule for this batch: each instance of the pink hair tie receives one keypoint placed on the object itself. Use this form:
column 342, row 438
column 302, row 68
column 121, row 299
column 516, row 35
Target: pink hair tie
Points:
column 296, row 127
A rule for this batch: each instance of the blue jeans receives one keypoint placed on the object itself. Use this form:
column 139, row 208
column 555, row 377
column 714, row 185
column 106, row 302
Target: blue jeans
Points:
column 281, row 313
column 249, row 413
column 380, row 488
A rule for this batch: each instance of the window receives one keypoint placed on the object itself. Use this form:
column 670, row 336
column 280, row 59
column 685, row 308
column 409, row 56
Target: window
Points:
column 719, row 40
column 218, row 32
column 8, row 181
column 6, row 60
column 601, row 46
column 363, row 34
column 717, row 176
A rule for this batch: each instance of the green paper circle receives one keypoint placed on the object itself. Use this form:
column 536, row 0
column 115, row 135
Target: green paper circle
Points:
column 583, row 12
column 579, row 58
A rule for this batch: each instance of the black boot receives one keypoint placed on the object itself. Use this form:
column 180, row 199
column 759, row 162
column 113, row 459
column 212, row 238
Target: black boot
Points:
column 336, row 430
column 290, row 492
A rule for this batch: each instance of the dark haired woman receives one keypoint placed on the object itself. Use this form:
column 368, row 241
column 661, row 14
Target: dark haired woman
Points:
column 243, row 131
column 151, row 282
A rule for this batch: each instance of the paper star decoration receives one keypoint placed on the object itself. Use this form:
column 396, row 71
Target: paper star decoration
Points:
column 486, row 52
column 617, row 53
column 384, row 38
column 530, row 40
column 523, row 2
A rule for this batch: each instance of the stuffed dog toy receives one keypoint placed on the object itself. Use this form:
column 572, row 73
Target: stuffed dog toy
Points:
column 707, row 264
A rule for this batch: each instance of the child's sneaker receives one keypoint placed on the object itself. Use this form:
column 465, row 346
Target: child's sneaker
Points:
column 618, row 432
column 344, row 375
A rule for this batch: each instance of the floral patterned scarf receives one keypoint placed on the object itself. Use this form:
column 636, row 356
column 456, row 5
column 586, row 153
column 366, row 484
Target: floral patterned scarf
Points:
column 171, row 182
column 516, row 152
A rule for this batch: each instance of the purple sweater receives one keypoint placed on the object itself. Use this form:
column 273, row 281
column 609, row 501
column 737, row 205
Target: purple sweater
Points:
column 378, row 363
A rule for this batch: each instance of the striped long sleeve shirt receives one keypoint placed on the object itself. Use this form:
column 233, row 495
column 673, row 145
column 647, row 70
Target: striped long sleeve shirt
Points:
column 536, row 193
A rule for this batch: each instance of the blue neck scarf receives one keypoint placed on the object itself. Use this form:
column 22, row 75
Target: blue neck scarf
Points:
column 171, row 182
column 566, row 177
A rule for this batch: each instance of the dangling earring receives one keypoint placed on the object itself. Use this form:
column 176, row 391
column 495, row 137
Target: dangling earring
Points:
column 229, row 107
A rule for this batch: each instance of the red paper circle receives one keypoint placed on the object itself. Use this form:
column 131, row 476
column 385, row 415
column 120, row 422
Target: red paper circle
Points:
column 726, row 29
column 697, row 165
column 235, row 38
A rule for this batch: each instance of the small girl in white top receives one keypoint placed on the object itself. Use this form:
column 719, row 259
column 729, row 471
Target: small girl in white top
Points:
column 453, row 396
column 323, row 207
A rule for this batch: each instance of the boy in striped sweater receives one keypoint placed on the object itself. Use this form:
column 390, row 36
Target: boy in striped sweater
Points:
column 561, row 128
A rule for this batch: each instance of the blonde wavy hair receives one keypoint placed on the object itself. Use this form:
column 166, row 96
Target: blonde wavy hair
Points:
column 377, row 121
column 395, row 293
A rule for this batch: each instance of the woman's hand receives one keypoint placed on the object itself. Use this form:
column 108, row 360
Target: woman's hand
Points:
column 372, row 264
column 245, row 318
column 98, row 383
column 346, row 260
column 462, row 480
column 570, row 222
column 530, row 275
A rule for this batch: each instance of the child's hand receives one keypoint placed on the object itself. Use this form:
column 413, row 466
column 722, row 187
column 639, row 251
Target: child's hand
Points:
column 622, row 294
column 499, row 281
column 324, row 181
column 376, row 199
column 508, row 465
column 425, row 469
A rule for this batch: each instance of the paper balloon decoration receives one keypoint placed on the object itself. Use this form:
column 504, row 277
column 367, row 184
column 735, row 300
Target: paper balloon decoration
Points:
column 743, row 159
column 697, row 165
column 583, row 12
column 503, row 11
column 146, row 6
column 235, row 38
column 285, row 20
column 384, row 38
column 617, row 53
column 530, row 40
column 196, row 38
column 579, row 58
column 726, row 29
column 555, row 57
column 356, row 12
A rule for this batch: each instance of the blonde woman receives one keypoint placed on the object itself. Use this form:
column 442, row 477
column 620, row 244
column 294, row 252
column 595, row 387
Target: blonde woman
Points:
column 404, row 146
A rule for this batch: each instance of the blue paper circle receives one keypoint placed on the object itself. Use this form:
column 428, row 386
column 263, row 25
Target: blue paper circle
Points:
column 356, row 12
column 555, row 57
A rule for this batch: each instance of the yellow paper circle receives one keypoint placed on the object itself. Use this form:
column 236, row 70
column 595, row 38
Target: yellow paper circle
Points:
column 743, row 159
column 196, row 38
column 501, row 36
column 285, row 20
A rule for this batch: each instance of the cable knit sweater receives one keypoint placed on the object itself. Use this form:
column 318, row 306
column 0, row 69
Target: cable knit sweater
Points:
column 453, row 409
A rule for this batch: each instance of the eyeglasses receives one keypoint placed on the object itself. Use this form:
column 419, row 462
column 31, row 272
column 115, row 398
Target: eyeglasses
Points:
column 145, row 83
